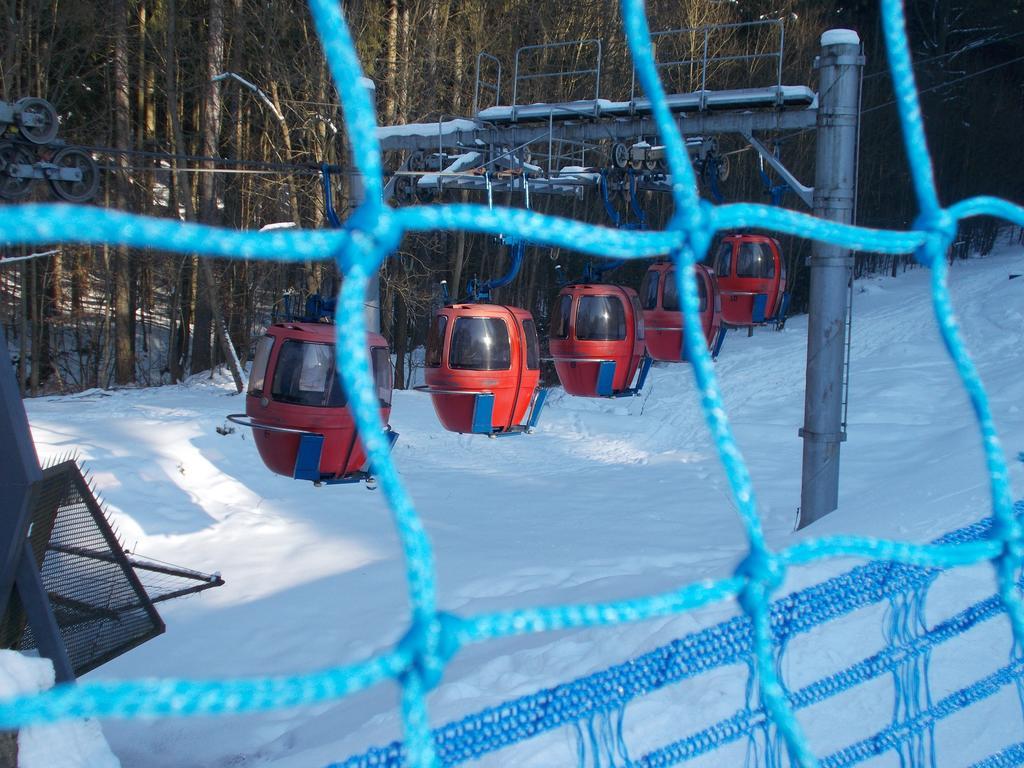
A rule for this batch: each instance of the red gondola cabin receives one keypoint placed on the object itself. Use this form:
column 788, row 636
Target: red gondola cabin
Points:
column 483, row 369
column 752, row 277
column 663, row 316
column 298, row 409
column 597, row 339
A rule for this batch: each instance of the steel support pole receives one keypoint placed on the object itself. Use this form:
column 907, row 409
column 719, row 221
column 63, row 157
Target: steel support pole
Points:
column 839, row 66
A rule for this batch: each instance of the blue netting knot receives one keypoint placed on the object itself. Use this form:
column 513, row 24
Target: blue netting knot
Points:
column 431, row 644
column 1011, row 534
column 940, row 228
column 692, row 219
column 763, row 573
column 375, row 233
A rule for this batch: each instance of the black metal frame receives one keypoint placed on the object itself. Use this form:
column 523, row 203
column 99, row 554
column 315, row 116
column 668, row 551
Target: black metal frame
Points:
column 20, row 474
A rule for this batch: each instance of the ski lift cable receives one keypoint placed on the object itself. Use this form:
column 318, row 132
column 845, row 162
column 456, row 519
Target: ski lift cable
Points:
column 950, row 82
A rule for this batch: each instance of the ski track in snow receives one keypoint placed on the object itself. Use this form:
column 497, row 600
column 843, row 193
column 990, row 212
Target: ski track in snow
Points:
column 609, row 499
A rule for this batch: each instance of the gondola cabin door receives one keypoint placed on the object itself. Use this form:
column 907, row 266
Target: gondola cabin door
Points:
column 482, row 368
column 752, row 277
column 597, row 339
column 663, row 316
column 298, row 409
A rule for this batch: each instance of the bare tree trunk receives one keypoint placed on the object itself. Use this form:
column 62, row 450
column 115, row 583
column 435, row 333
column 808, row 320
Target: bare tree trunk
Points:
column 460, row 256
column 401, row 337
column 391, row 70
column 180, row 314
column 208, row 302
column 202, row 351
column 124, row 361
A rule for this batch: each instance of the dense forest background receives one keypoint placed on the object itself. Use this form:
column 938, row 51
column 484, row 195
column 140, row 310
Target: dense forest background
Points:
column 132, row 81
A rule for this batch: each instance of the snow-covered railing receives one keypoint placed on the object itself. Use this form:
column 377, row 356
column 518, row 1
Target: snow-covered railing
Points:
column 373, row 231
column 701, row 55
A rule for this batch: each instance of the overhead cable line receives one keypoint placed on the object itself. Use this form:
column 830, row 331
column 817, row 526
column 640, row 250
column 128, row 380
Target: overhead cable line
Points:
column 948, row 54
column 950, row 82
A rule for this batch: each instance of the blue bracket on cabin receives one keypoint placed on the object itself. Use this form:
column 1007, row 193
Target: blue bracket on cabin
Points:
column 307, row 460
column 535, row 409
column 719, row 341
column 780, row 316
column 606, row 375
column 760, row 303
column 483, row 409
column 645, row 365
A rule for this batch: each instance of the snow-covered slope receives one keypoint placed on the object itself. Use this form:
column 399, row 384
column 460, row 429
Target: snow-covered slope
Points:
column 608, row 499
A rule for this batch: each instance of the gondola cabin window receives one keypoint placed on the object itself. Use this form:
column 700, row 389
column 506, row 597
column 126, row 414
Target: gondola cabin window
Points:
column 382, row 374
column 480, row 344
column 435, row 341
column 258, row 373
column 638, row 316
column 560, row 320
column 532, row 345
column 305, row 376
column 600, row 318
column 723, row 259
column 649, row 290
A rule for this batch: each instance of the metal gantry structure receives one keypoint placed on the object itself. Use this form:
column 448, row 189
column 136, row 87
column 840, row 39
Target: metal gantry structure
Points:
column 530, row 144
column 562, row 145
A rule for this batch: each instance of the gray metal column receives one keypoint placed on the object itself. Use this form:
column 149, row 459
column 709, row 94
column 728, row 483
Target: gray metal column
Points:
column 840, row 66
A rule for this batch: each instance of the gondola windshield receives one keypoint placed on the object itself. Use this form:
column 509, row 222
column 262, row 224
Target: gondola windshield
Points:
column 755, row 260
column 649, row 290
column 304, row 376
column 600, row 318
column 480, row 344
column 670, row 300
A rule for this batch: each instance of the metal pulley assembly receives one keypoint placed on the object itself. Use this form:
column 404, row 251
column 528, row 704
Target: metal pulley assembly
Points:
column 30, row 150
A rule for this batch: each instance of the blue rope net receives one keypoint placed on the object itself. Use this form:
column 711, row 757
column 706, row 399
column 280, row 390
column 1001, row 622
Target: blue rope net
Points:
column 373, row 231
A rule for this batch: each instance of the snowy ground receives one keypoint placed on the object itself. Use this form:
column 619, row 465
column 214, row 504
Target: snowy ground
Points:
column 608, row 499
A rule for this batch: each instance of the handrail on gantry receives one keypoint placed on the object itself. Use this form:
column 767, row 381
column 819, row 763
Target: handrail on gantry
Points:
column 478, row 84
column 706, row 32
column 595, row 71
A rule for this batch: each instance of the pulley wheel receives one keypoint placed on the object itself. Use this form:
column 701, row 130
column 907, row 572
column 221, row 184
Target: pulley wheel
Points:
column 14, row 187
column 724, row 167
column 76, row 191
column 425, row 194
column 417, row 162
column 45, row 118
column 404, row 193
column 620, row 155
